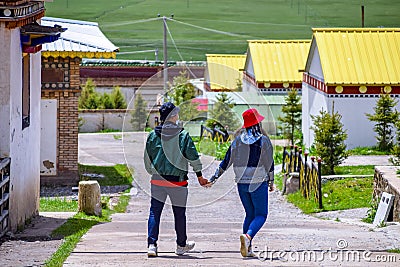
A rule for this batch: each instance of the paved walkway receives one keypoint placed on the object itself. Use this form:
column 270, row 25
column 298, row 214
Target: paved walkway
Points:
column 289, row 238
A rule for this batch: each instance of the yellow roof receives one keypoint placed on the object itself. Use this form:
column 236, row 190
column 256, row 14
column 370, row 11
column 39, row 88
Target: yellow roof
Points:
column 358, row 55
column 278, row 60
column 225, row 70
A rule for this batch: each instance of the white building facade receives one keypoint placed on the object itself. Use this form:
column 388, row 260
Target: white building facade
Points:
column 20, row 94
column 346, row 71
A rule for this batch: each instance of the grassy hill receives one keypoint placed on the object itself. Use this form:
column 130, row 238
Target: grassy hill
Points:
column 222, row 26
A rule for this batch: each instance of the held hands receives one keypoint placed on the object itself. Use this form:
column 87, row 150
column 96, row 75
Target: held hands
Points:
column 213, row 179
column 271, row 187
column 202, row 181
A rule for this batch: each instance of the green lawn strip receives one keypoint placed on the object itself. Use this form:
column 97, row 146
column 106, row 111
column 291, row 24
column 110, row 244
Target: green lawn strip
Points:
column 113, row 175
column 366, row 151
column 342, row 194
column 347, row 193
column 57, row 204
column 75, row 227
column 395, row 250
column 72, row 231
column 355, row 170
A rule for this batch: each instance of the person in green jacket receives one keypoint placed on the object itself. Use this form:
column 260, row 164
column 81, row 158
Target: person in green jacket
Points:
column 169, row 151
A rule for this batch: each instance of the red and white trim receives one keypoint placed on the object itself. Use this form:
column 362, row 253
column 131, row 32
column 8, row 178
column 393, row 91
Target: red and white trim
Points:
column 349, row 89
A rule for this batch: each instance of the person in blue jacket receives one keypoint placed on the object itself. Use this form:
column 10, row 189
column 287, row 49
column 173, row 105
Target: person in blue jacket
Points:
column 251, row 154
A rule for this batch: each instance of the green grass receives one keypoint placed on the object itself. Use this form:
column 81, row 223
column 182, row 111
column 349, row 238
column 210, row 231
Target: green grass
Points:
column 343, row 194
column 117, row 136
column 371, row 211
column 211, row 148
column 355, row 170
column 132, row 24
column 122, row 202
column 278, row 155
column 72, row 231
column 278, row 180
column 113, row 175
column 395, row 250
column 109, row 131
column 57, row 204
column 365, row 151
column 75, row 227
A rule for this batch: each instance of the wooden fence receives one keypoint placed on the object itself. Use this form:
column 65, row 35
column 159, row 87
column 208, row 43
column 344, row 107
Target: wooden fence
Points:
column 215, row 134
column 309, row 172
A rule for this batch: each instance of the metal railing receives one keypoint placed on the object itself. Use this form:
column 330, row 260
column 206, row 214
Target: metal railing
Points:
column 309, row 173
column 4, row 195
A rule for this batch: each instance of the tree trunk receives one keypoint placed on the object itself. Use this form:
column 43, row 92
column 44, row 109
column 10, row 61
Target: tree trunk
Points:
column 89, row 199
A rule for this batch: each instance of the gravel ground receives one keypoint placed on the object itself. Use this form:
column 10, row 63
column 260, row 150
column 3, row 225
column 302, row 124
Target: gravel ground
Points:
column 73, row 192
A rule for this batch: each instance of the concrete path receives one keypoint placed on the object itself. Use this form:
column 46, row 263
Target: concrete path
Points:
column 289, row 238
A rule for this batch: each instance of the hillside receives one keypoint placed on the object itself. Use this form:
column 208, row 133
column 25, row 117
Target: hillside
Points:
column 223, row 26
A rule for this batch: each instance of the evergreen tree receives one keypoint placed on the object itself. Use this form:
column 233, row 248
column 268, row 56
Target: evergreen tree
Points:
column 139, row 114
column 329, row 139
column 89, row 98
column 118, row 98
column 181, row 93
column 385, row 116
column 222, row 113
column 181, row 90
column 106, row 101
column 93, row 102
column 291, row 120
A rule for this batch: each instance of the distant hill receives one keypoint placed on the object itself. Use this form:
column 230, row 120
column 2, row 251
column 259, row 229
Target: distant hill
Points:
column 217, row 26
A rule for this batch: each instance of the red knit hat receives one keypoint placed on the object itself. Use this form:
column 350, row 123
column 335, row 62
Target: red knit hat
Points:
column 251, row 117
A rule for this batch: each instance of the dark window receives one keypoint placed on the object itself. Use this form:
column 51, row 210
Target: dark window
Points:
column 26, row 88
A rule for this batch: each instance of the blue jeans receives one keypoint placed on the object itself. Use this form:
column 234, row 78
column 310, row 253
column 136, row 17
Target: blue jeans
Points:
column 254, row 198
column 178, row 197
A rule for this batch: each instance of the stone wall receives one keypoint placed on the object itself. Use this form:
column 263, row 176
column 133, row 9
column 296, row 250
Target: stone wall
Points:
column 386, row 180
column 97, row 120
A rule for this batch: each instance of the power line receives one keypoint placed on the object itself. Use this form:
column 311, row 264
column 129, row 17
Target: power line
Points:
column 128, row 22
column 177, row 50
column 211, row 30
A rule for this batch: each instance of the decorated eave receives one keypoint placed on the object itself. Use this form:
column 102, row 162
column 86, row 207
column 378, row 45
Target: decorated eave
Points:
column 355, row 61
column 19, row 13
column 83, row 39
column 351, row 89
column 34, row 35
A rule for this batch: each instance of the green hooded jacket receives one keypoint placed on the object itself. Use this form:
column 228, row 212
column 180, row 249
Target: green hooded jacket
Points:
column 169, row 150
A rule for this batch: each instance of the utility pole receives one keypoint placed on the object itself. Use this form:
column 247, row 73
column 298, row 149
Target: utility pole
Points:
column 165, row 56
column 362, row 16
column 165, row 71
